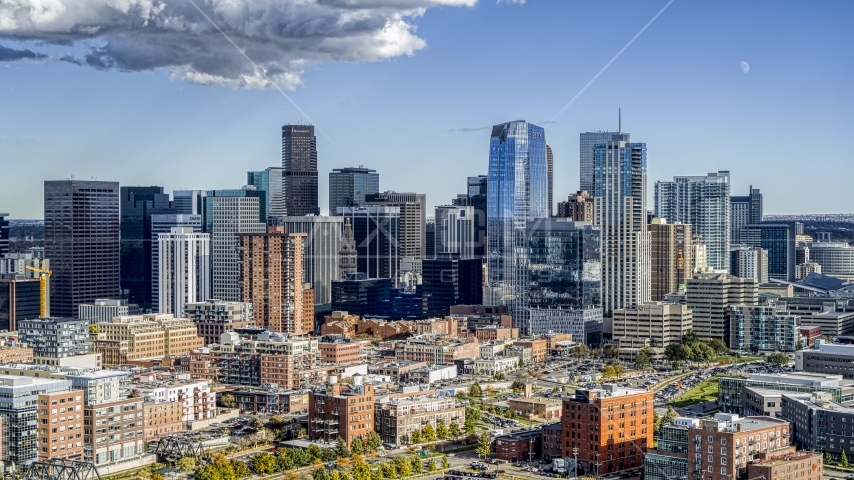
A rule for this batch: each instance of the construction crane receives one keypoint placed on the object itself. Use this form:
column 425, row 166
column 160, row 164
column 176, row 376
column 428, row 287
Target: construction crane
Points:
column 44, row 274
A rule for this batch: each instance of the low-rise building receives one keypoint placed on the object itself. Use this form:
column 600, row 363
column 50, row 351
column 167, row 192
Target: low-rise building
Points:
column 162, row 419
column 341, row 411
column 398, row 371
column 60, row 424
column 492, row 366
column 396, row 418
column 809, row 334
column 819, row 423
column 55, row 337
column 539, row 347
column 16, row 355
column 654, row 324
column 432, row 373
column 801, row 465
column 197, row 400
column 519, row 446
column 552, row 440
column 215, row 317
column 339, row 349
column 523, row 354
column 113, row 431
column 144, row 337
column 269, row 358
column 830, row 358
column 761, row 402
column 433, row 351
column 535, row 407
column 730, row 389
column 446, row 327
column 271, row 400
column 494, row 332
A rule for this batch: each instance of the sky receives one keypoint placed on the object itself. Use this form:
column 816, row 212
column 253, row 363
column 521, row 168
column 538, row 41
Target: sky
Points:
column 150, row 93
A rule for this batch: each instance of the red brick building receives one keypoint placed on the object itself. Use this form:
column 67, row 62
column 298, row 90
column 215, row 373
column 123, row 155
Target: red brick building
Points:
column 340, row 352
column 345, row 411
column 539, row 348
column 810, row 334
column 519, row 447
column 60, row 420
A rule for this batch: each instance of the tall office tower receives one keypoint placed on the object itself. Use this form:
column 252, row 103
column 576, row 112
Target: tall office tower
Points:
column 710, row 296
column 744, row 211
column 562, row 289
column 19, row 300
column 703, row 203
column 448, row 280
column 227, row 213
column 430, row 237
column 620, row 211
column 183, row 269
column 779, row 239
column 578, row 207
column 272, row 279
column 454, row 231
column 700, row 262
column 323, row 243
column 348, row 256
column 413, row 218
column 4, row 234
column 588, row 142
column 137, row 206
column 550, row 173
column 270, row 181
column 164, row 223
column 671, row 257
column 476, row 196
column 188, row 202
column 81, row 239
column 299, row 162
column 749, row 262
column 518, row 192
column 349, row 186
column 376, row 230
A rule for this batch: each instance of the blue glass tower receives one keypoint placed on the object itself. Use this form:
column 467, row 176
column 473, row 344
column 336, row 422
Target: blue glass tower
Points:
column 518, row 192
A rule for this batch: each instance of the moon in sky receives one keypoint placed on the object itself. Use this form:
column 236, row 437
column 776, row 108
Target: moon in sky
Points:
column 745, row 67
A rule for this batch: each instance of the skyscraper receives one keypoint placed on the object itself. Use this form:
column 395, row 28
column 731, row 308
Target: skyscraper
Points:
column 376, row 230
column 449, row 280
column 744, row 211
column 778, row 239
column 588, row 142
column 550, row 173
column 671, row 257
column 620, row 212
column 348, row 256
column 349, row 186
column 476, row 196
column 749, row 262
column 454, row 230
column 138, row 204
column 270, row 181
column 322, row 247
column 703, row 203
column 299, row 165
column 183, row 269
column 81, row 238
column 518, row 192
column 227, row 213
column 188, row 202
column 164, row 223
column 4, row 234
column 413, row 218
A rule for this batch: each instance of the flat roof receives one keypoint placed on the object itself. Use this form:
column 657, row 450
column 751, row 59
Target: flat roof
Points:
column 755, row 423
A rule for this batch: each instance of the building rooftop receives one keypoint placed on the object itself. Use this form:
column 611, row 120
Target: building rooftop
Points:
column 798, row 378
column 755, row 423
column 787, row 457
column 520, row 435
column 11, row 381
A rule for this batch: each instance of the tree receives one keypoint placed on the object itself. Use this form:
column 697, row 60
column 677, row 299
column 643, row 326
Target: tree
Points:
column 300, row 457
column 580, row 351
column 417, row 466
column 374, row 442
column 669, row 416
column 284, row 460
column 302, row 433
column 690, row 338
column 263, row 463
column 619, row 371
column 444, row 461
column 441, row 429
column 843, row 460
column 717, row 345
column 484, row 445
column 429, row 433
column 157, row 476
column 475, row 391
column 702, row 352
column 256, row 423
column 320, row 474
column 473, row 414
column 389, row 470
column 227, row 400
column 678, row 352
column 611, row 351
column 343, row 463
column 643, row 359
column 93, row 329
column 608, row 372
column 415, row 436
column 313, row 452
column 357, row 447
column 799, row 345
column 341, row 449
column 656, row 423
column 827, row 458
column 361, row 471
column 431, row 465
column 335, row 475
column 778, row 358
column 186, row 464
column 276, row 421
column 454, row 430
column 377, row 474
column 403, row 466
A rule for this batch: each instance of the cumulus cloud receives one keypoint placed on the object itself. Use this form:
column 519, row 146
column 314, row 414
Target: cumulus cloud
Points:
column 281, row 36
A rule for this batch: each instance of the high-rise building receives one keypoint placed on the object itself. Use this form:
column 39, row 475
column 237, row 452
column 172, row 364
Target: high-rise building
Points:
column 272, row 278
column 4, row 234
column 348, row 187
column 588, row 142
column 164, row 223
column 323, row 237
column 653, row 324
column 518, row 192
column 188, row 202
column 299, row 165
column 578, row 207
column 81, row 237
column 564, row 275
column 413, row 217
column 835, row 258
column 430, row 237
column 362, row 296
column 270, row 181
column 376, row 233
column 228, row 213
column 19, row 300
column 476, row 197
column 138, row 204
column 454, row 231
column 620, row 212
column 744, row 211
column 550, row 173
column 749, row 262
column 183, row 270
column 671, row 257
column 710, row 296
column 348, row 256
column 448, row 280
column 63, row 412
column 779, row 240
column 703, row 203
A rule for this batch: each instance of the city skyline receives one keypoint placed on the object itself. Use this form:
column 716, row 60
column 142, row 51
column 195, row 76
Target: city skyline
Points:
column 678, row 83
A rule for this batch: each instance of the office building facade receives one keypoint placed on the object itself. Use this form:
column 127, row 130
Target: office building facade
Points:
column 348, row 187
column 762, row 328
column 164, row 224
column 413, row 217
column 455, row 231
column 835, row 258
column 653, row 324
column 703, row 203
column 779, row 239
column 19, row 300
column 447, row 281
column 4, row 234
column 671, row 257
column 710, row 296
column 744, row 211
column 362, row 296
column 588, row 142
column 184, row 269
column 82, row 242
column 299, row 170
column 271, row 183
column 749, row 262
column 188, row 202
column 105, row 310
column 323, row 237
column 376, row 233
column 19, row 409
column 138, row 204
column 476, row 197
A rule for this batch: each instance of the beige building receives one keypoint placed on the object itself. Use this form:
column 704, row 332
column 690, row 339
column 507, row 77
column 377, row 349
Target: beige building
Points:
column 396, row 418
column 162, row 419
column 671, row 257
column 16, row 355
column 491, row 366
column 709, row 296
column 656, row 324
column 530, row 408
column 141, row 337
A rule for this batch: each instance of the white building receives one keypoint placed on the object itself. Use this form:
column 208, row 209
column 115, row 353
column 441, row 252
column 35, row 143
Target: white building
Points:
column 455, row 230
column 164, row 223
column 104, row 310
column 198, row 398
column 433, row 373
column 749, row 262
column 491, row 366
column 228, row 212
column 183, row 270
column 835, row 258
column 17, row 263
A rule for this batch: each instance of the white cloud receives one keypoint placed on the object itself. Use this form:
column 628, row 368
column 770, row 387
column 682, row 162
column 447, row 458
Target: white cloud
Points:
column 281, row 36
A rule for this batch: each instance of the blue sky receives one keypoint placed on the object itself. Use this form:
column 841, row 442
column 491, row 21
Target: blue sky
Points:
column 782, row 127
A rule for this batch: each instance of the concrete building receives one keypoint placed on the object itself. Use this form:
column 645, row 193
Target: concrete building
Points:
column 413, row 218
column 710, row 296
column 455, row 230
column 113, row 432
column 105, row 310
column 183, row 271
column 834, row 316
column 432, row 373
column 585, row 325
column 164, row 223
column 272, row 279
column 539, row 347
column 819, row 423
column 654, row 324
column 744, row 211
column 189, row 202
column 436, row 351
column 763, row 328
column 730, row 389
column 82, row 241
column 531, row 408
column 577, row 207
column 395, row 418
column 828, row 358
column 612, row 427
column 671, row 257
column 341, row 411
column 759, row 402
column 495, row 365
column 14, row 265
column 55, row 337
column 198, row 401
column 215, row 317
column 143, row 337
column 749, row 262
column 60, row 421
column 835, row 258
column 322, row 244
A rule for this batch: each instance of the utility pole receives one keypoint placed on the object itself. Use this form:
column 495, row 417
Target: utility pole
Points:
column 575, row 454
column 598, row 463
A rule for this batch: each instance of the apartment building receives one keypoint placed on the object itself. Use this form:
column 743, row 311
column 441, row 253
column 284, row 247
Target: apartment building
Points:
column 198, row 401
column 162, row 419
column 144, row 337
column 539, row 348
column 339, row 350
column 16, row 355
column 494, row 332
column 436, row 350
column 271, row 357
column 215, row 317
column 60, row 424
column 341, row 411
column 710, row 296
column 55, row 337
column 396, row 418
column 654, row 324
column 113, row 431
column 19, row 411
column 495, row 365
column 802, row 465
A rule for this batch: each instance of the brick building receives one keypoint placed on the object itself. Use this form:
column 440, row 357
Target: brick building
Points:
column 16, row 355
column 539, row 348
column 113, row 431
column 552, row 441
column 143, row 337
column 162, row 419
column 215, row 317
column 801, row 465
column 436, row 351
column 60, row 421
column 341, row 411
column 612, row 426
column 519, row 446
column 339, row 350
column 396, row 418
column 492, row 332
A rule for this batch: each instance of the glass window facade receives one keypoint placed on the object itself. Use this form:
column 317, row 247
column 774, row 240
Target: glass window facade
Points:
column 663, row 467
column 270, row 182
column 350, row 186
column 730, row 390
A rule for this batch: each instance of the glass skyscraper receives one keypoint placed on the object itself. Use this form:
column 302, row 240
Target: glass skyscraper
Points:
column 299, row 164
column 518, row 192
column 588, row 142
column 744, row 211
column 270, row 181
column 349, row 186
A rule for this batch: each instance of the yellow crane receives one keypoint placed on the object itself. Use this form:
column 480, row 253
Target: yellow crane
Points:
column 42, row 289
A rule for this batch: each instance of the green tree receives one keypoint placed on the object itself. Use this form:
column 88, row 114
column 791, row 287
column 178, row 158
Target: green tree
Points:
column 276, row 421
column 300, row 457
column 312, row 452
column 717, row 345
column 320, row 474
column 373, row 441
column 93, row 329
column 778, row 358
column 843, row 459
column 521, row 363
column 441, row 429
column 345, row 476
column 702, row 352
column 377, row 474
column 335, row 475
column 827, row 458
column 341, row 449
column 227, row 400
column 263, row 463
column 643, row 359
column 431, row 465
column 389, row 470
column 284, row 460
column 669, row 416
column 454, row 430
column 608, row 372
column 656, row 423
column 475, row 391
column 186, row 464
column 417, row 466
column 415, row 436
column 473, row 414
column 444, row 461
column 468, row 427
column 611, row 351
column 484, row 445
column 619, row 371
column 690, row 338
column 403, row 466
column 429, row 433
column 580, row 351
column 361, row 471
column 799, row 345
column 357, row 447
column 157, row 476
